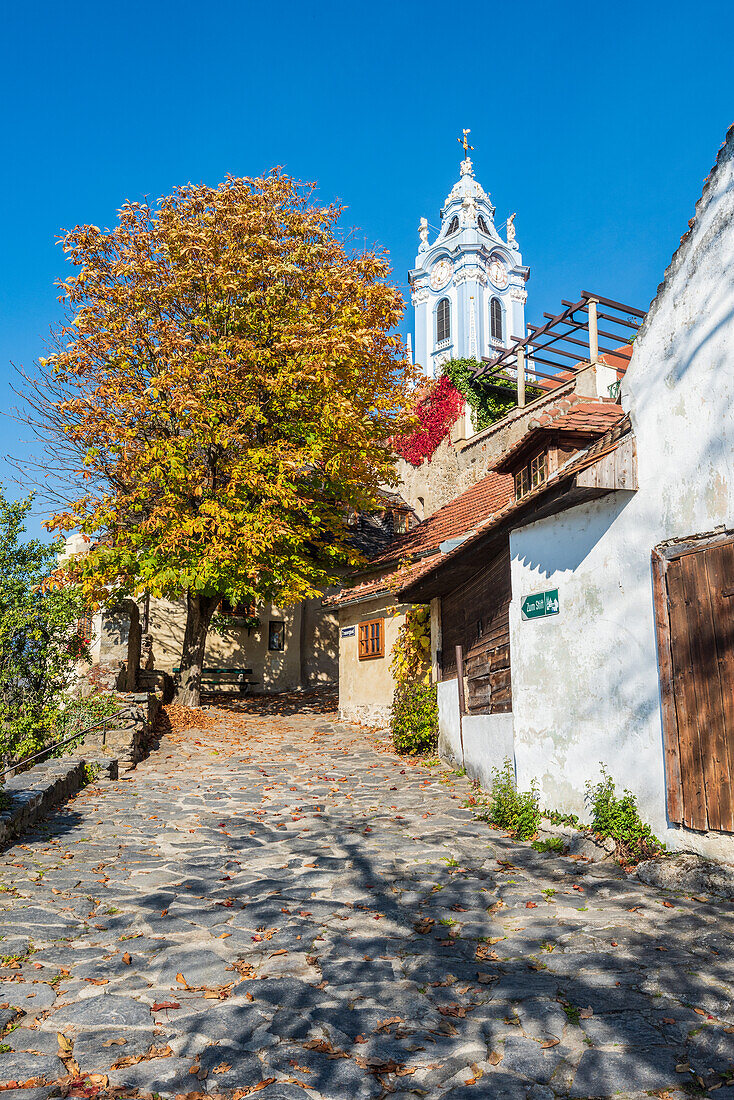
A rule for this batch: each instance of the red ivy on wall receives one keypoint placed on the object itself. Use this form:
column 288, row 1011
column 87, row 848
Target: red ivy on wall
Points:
column 437, row 413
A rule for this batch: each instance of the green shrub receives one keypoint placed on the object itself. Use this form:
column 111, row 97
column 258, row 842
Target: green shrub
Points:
column 619, row 818
column 414, row 718
column 40, row 643
column 508, row 808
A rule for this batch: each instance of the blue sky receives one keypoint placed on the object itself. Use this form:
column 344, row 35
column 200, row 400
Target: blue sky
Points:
column 596, row 124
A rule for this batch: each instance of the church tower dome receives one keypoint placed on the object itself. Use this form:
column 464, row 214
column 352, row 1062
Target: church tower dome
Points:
column 468, row 286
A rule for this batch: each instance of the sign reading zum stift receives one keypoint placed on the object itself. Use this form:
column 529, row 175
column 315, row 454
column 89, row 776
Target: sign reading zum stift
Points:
column 540, row 604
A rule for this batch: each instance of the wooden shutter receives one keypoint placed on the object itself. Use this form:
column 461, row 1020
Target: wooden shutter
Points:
column 371, row 639
column 694, row 615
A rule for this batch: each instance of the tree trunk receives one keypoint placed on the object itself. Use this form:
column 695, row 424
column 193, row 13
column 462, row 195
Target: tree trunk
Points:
column 199, row 611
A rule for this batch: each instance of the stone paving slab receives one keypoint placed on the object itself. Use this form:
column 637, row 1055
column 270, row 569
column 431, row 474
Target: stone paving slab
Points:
column 272, row 902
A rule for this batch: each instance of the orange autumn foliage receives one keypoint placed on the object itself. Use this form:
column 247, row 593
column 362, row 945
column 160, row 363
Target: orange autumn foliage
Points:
column 225, row 388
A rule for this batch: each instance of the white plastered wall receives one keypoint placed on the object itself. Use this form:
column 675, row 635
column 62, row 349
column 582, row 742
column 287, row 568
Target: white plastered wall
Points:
column 585, row 682
column 487, row 738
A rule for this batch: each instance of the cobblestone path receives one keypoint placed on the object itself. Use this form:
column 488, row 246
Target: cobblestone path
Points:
column 270, row 902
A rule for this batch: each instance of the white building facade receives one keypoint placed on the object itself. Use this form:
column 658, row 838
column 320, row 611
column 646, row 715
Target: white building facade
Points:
column 594, row 683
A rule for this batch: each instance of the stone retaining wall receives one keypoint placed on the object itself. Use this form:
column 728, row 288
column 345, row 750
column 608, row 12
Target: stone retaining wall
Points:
column 33, row 793
column 127, row 738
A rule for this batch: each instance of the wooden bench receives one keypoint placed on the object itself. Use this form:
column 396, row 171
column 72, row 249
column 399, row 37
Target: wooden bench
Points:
column 218, row 677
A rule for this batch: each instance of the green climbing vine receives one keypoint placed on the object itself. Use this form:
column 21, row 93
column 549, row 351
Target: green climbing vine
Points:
column 414, row 715
column 487, row 405
column 411, row 652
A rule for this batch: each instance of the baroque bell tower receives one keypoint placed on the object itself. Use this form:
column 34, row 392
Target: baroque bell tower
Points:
column 468, row 287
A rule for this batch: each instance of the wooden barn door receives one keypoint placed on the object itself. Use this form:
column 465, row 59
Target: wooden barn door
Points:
column 694, row 590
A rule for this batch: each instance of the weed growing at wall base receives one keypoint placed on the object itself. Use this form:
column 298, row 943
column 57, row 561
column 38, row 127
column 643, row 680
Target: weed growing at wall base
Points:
column 619, row 818
column 508, row 808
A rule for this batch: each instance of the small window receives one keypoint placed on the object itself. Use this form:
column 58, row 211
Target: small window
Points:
column 276, row 636
column 453, row 226
column 531, row 476
column 400, row 521
column 443, row 320
column 482, row 225
column 371, row 639
column 538, row 470
column 495, row 316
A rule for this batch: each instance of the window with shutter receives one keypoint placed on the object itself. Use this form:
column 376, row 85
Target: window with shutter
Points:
column 371, row 639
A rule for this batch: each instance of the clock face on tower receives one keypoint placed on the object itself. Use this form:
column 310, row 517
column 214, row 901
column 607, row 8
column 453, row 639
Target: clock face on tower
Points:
column 440, row 275
column 498, row 273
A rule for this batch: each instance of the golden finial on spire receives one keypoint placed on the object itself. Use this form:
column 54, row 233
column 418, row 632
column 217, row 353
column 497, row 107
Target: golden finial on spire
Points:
column 463, row 141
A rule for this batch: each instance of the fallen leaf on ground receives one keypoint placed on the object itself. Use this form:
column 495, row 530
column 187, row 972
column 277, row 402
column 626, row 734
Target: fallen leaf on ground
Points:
column 65, row 1045
column 160, row 1005
column 182, row 981
column 114, row 1042
column 127, row 958
column 495, row 1058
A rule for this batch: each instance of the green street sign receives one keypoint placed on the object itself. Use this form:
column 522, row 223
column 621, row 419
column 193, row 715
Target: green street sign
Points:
column 540, row 605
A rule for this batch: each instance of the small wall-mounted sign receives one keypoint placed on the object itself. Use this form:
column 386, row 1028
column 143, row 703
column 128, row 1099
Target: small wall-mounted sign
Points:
column 348, row 631
column 540, row 605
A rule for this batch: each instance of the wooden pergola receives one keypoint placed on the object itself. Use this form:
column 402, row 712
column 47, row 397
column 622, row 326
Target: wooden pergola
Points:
column 568, row 342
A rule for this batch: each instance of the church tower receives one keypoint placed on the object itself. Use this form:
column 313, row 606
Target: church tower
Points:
column 468, row 287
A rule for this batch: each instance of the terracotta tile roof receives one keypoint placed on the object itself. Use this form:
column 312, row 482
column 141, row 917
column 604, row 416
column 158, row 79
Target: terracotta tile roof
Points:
column 604, row 445
column 585, row 415
column 470, row 510
column 389, row 582
column 579, row 414
column 455, row 518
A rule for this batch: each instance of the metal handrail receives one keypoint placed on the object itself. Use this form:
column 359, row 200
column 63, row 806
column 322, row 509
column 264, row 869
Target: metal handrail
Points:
column 74, row 737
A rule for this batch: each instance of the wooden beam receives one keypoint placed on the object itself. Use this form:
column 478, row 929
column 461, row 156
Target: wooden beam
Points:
column 671, row 751
column 612, row 304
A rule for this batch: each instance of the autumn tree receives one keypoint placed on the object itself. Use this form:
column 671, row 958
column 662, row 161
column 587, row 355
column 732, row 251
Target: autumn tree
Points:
column 223, row 390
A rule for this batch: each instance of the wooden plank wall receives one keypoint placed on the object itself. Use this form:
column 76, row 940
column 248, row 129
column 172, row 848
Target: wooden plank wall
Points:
column 694, row 617
column 476, row 617
column 615, row 470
